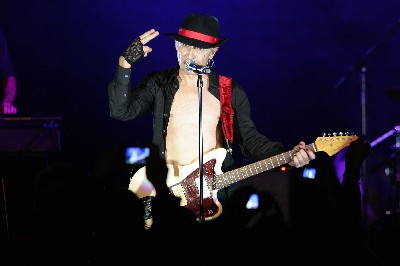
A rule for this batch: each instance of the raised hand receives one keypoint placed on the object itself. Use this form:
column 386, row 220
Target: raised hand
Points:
column 145, row 38
column 356, row 154
column 156, row 171
column 137, row 49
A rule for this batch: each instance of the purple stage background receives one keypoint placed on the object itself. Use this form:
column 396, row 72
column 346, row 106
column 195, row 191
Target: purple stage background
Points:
column 288, row 55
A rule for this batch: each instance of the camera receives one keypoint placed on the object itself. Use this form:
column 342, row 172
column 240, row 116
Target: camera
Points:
column 136, row 155
column 309, row 173
column 252, row 203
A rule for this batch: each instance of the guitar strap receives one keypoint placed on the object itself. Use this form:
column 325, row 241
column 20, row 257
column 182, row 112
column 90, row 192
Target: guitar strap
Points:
column 225, row 89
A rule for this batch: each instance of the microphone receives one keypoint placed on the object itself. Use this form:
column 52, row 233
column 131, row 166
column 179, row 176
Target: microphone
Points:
column 197, row 69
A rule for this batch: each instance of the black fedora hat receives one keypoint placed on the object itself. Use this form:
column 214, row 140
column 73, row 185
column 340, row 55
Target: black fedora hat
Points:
column 199, row 30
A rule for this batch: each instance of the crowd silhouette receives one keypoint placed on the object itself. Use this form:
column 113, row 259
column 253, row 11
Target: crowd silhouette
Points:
column 78, row 221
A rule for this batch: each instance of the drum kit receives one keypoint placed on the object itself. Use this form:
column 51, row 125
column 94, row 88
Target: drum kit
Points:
column 394, row 162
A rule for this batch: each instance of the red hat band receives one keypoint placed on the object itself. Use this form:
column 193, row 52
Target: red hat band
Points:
column 198, row 36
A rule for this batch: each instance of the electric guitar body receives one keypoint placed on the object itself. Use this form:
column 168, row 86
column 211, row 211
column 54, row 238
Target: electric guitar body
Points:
column 184, row 182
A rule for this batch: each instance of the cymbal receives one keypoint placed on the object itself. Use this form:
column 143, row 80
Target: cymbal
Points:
column 393, row 93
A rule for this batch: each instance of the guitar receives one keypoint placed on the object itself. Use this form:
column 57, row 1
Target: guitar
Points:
column 184, row 182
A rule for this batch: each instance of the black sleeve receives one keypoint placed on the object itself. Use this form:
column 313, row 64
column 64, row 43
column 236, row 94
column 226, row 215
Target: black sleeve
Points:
column 253, row 144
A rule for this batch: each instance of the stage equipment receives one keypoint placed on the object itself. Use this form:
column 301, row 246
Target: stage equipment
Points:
column 25, row 143
column 37, row 133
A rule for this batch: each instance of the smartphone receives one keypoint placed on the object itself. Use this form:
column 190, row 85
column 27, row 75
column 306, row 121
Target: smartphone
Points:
column 136, row 155
column 309, row 173
column 252, row 203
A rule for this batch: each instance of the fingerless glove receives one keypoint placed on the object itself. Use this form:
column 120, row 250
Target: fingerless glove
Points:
column 134, row 51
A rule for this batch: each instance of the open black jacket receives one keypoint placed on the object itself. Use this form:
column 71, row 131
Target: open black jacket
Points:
column 156, row 93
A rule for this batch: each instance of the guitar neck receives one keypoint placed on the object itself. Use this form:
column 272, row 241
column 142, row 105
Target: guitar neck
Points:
column 228, row 178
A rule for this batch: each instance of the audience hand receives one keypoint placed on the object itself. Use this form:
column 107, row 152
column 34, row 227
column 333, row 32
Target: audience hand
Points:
column 156, row 171
column 356, row 153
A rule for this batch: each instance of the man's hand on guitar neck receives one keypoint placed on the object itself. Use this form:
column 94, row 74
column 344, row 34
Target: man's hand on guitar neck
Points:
column 303, row 156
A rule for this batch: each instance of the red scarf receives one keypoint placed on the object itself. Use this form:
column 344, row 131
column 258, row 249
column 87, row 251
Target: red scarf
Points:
column 225, row 88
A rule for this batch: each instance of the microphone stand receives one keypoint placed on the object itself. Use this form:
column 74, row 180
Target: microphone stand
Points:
column 200, row 89
column 361, row 65
column 396, row 174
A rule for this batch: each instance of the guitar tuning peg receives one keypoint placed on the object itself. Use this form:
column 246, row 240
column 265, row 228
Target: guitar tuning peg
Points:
column 329, row 134
column 340, row 133
column 347, row 133
column 324, row 134
column 334, row 134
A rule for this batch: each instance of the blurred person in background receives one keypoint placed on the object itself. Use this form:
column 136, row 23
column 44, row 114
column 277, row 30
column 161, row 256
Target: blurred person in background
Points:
column 7, row 78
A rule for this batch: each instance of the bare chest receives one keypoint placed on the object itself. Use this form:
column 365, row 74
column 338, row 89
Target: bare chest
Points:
column 185, row 109
column 182, row 140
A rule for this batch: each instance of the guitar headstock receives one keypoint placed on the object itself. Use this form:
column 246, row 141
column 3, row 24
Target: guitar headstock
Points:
column 333, row 143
